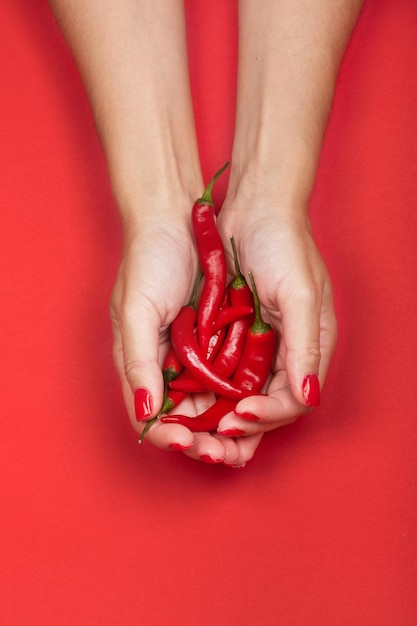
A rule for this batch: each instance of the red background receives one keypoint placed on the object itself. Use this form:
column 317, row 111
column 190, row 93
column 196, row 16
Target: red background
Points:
column 320, row 528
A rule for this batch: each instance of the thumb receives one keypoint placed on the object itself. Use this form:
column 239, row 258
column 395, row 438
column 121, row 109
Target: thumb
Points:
column 136, row 354
column 301, row 336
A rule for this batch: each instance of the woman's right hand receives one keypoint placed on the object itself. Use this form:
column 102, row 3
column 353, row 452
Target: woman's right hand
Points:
column 155, row 279
column 156, row 274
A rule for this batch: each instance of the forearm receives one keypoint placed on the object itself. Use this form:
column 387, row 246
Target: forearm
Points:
column 289, row 57
column 133, row 61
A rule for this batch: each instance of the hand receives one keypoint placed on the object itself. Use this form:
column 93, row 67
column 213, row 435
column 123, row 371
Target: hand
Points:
column 154, row 281
column 294, row 287
column 211, row 447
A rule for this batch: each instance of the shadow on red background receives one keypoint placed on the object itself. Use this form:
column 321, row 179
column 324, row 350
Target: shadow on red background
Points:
column 320, row 528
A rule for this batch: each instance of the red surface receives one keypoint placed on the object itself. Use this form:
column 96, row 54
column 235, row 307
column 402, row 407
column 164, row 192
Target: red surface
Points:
column 320, row 528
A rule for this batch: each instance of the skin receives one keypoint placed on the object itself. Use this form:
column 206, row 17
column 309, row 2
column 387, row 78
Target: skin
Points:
column 132, row 57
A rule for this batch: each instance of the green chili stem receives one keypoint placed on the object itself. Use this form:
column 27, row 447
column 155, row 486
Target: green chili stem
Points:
column 259, row 325
column 193, row 298
column 206, row 198
column 239, row 280
column 147, row 427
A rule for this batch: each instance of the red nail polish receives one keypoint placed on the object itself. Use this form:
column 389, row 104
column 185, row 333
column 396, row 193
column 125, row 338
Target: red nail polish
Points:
column 248, row 416
column 311, row 390
column 208, row 459
column 143, row 404
column 231, row 432
column 179, row 446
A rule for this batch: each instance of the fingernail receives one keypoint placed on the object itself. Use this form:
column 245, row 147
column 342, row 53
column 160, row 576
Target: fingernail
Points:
column 311, row 390
column 143, row 404
column 235, row 466
column 248, row 416
column 208, row 459
column 231, row 432
column 179, row 446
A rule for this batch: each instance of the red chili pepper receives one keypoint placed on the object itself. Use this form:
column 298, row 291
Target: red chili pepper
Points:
column 186, row 346
column 187, row 383
column 212, row 259
column 206, row 421
column 225, row 363
column 240, row 296
column 255, row 365
column 171, row 400
column 226, row 359
column 255, row 362
column 219, row 334
column 251, row 374
column 215, row 344
column 230, row 353
column 231, row 314
column 189, row 352
column 225, row 300
column 172, row 366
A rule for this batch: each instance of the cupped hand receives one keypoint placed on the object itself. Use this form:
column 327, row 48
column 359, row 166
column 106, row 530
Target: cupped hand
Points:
column 294, row 286
column 155, row 279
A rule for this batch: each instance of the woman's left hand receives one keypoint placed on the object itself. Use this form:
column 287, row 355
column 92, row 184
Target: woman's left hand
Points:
column 294, row 287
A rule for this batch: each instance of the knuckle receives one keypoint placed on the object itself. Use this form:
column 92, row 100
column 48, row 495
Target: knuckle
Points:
column 312, row 351
column 134, row 368
column 308, row 354
column 309, row 298
column 307, row 292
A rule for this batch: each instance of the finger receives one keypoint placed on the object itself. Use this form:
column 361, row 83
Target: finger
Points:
column 137, row 359
column 328, row 335
column 207, row 448
column 258, row 414
column 119, row 365
column 231, row 451
column 247, row 447
column 308, row 328
column 168, row 436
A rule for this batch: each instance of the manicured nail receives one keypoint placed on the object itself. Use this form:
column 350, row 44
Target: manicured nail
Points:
column 231, row 432
column 143, row 404
column 311, row 390
column 248, row 416
column 208, row 459
column 179, row 446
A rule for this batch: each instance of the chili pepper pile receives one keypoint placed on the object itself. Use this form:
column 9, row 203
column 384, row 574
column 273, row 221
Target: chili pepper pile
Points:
column 219, row 341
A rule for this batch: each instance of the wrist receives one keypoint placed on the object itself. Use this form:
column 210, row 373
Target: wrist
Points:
column 156, row 195
column 158, row 199
column 273, row 174
column 160, row 212
column 259, row 195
